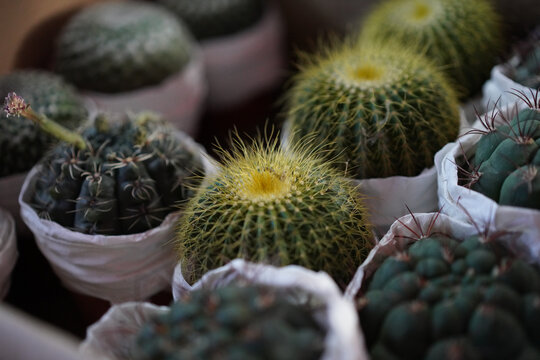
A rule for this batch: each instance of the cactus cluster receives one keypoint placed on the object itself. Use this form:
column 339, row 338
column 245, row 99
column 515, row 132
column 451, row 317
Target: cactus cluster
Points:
column 22, row 144
column 463, row 37
column 445, row 299
column 208, row 19
column 271, row 205
column 506, row 160
column 232, row 323
column 527, row 72
column 121, row 46
column 380, row 110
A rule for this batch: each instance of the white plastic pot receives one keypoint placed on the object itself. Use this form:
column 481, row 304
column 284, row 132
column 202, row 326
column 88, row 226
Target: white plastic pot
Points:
column 110, row 338
column 8, row 251
column 114, row 268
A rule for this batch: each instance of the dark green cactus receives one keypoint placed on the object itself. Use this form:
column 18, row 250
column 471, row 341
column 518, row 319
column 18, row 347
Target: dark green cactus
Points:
column 121, row 46
column 489, row 309
column 213, row 18
column 527, row 72
column 461, row 36
column 22, row 144
column 232, row 323
column 505, row 161
column 380, row 111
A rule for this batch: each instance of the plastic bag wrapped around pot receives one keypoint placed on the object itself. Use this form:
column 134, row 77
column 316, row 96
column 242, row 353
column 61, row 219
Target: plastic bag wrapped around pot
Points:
column 337, row 315
column 114, row 268
column 468, row 205
column 8, row 250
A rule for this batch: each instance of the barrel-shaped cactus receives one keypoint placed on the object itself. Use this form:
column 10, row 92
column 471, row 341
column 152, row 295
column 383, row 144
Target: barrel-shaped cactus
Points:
column 208, row 19
column 234, row 323
column 527, row 70
column 380, row 110
column 120, row 176
column 463, row 37
column 276, row 206
column 22, row 144
column 446, row 299
column 121, row 46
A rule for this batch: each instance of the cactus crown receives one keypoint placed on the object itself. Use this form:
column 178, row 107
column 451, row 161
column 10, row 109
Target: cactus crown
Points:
column 461, row 36
column 380, row 110
column 277, row 206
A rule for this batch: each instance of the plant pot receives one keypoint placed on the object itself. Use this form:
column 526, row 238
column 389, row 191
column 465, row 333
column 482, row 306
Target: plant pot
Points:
column 8, row 251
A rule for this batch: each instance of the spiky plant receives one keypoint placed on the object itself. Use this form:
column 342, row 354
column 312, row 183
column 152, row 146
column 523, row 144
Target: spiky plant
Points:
column 271, row 205
column 121, row 46
column 381, row 110
column 504, row 164
column 443, row 298
column 527, row 71
column 463, row 37
column 213, row 18
column 232, row 323
column 119, row 176
column 21, row 143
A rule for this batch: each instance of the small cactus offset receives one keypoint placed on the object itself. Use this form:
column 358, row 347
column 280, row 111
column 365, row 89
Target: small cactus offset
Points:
column 463, row 37
column 213, row 18
column 506, row 161
column 380, row 110
column 119, row 176
column 21, row 142
column 448, row 299
column 121, row 46
column 232, row 323
column 276, row 206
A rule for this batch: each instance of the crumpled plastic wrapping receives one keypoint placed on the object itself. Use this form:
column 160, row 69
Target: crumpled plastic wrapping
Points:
column 114, row 268
column 112, row 337
column 8, row 251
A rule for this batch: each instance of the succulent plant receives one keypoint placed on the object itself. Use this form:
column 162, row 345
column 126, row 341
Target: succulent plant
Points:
column 271, row 205
column 213, row 18
column 21, row 142
column 119, row 176
column 527, row 71
column 380, row 110
column 447, row 299
column 461, row 36
column 121, row 46
column 232, row 323
column 505, row 161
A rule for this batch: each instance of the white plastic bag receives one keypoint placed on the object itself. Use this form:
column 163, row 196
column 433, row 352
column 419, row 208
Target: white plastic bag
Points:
column 343, row 340
column 469, row 205
column 8, row 250
column 243, row 64
column 179, row 98
column 115, row 268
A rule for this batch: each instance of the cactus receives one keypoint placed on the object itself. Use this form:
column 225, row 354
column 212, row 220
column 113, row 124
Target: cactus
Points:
column 213, row 18
column 121, row 46
column 232, row 323
column 461, row 36
column 277, row 206
column 527, row 71
column 488, row 310
column 21, row 143
column 382, row 110
column 119, row 176
column 506, row 159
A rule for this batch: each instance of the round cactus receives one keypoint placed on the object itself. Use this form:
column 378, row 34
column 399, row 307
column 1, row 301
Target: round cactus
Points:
column 461, row 36
column 121, row 176
column 212, row 18
column 21, row 142
column 380, row 111
column 527, row 71
column 506, row 161
column 274, row 206
column 121, row 46
column 241, row 322
column 446, row 299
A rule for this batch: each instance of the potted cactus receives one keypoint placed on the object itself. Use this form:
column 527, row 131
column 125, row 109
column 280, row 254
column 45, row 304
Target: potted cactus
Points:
column 244, row 310
column 242, row 43
column 437, row 288
column 8, row 250
column 381, row 112
column 133, row 56
column 108, row 195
